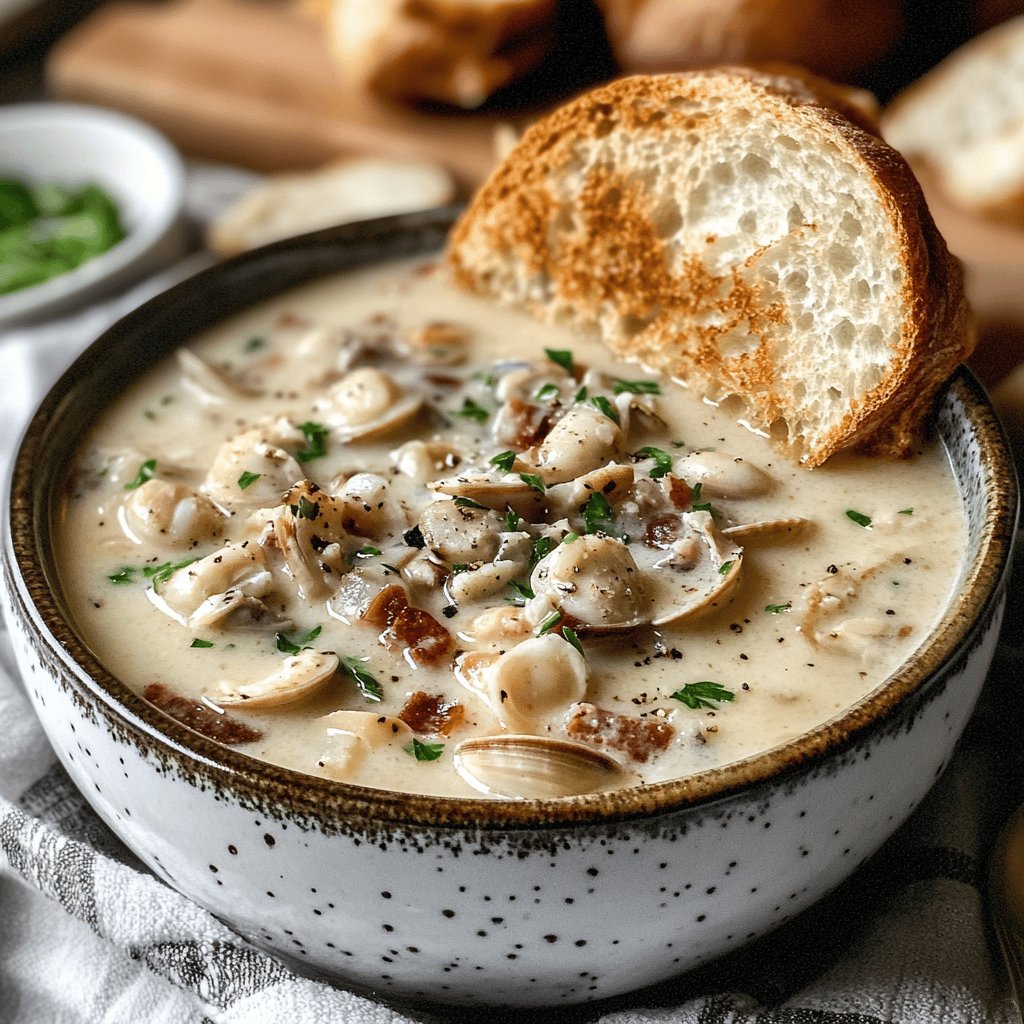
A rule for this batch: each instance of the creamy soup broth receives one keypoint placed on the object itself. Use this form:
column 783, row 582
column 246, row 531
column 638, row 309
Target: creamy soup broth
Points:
column 373, row 520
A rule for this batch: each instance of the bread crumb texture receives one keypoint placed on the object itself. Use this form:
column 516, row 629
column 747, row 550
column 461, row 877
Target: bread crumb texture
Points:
column 732, row 228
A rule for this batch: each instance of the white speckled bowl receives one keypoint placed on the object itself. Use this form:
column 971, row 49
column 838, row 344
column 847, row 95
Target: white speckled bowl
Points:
column 514, row 903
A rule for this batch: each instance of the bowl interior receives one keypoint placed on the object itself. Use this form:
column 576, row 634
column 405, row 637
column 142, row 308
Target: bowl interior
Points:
column 77, row 145
column 967, row 426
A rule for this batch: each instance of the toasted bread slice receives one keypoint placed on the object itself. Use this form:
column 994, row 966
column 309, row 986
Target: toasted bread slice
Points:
column 356, row 188
column 730, row 228
column 965, row 118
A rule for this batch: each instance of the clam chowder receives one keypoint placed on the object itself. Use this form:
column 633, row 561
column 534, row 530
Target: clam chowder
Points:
column 380, row 531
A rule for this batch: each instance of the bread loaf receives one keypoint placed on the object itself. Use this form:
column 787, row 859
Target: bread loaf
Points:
column 348, row 190
column 831, row 37
column 447, row 51
column 730, row 228
column 965, row 119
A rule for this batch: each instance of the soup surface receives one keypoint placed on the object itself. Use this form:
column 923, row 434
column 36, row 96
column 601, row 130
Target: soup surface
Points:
column 380, row 531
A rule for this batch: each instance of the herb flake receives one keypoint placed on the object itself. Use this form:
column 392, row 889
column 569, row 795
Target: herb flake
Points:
column 365, row 681
column 424, row 751
column 662, row 461
column 858, row 517
column 705, row 694
column 316, row 438
column 561, row 356
column 146, row 472
column 247, row 479
column 503, row 461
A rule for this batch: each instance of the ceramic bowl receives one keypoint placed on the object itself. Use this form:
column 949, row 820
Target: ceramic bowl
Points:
column 76, row 144
column 466, row 900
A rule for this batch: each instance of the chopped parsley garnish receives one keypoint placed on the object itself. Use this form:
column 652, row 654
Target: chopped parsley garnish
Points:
column 305, row 509
column 549, row 623
column 367, row 683
column 858, row 517
column 604, row 405
column 511, row 520
column 146, row 472
column 503, row 461
column 523, row 592
column 701, row 506
column 662, row 461
column 254, row 344
column 636, row 387
column 723, row 569
column 570, row 634
column 247, row 479
column 201, row 643
column 458, row 567
column 546, row 391
column 570, row 537
column 561, row 356
column 489, row 380
column 461, row 501
column 162, row 573
column 597, row 514
column 581, row 395
column 775, row 609
column 534, row 481
column 704, row 694
column 288, row 646
column 906, row 512
column 366, row 551
column 424, row 751
column 472, row 411
column 123, row 575
column 316, row 436
column 541, row 547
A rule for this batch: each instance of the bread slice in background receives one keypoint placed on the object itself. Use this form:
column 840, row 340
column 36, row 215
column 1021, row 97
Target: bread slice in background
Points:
column 456, row 52
column 965, row 119
column 832, row 37
column 349, row 190
column 730, row 228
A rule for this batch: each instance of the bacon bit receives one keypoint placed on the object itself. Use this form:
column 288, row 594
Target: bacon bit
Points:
column 636, row 737
column 441, row 381
column 431, row 713
column 290, row 319
column 526, row 424
column 661, row 531
column 680, row 492
column 407, row 627
column 199, row 717
column 425, row 269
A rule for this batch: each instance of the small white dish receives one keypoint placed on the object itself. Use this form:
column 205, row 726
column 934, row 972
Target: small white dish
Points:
column 140, row 169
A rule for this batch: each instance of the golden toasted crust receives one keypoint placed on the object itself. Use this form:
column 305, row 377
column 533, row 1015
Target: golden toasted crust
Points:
column 608, row 247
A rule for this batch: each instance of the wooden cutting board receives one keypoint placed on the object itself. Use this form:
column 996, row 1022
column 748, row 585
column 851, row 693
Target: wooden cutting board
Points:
column 250, row 82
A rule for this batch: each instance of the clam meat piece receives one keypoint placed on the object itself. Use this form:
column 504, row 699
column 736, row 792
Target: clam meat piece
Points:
column 204, row 592
column 497, row 494
column 768, row 529
column 531, row 685
column 460, row 534
column 365, row 404
column 595, row 583
column 371, row 508
column 482, row 581
column 438, row 343
column 722, row 475
column 297, row 677
column 358, row 589
column 254, row 468
column 537, row 767
column 523, row 382
column 161, row 512
column 308, row 531
column 582, row 440
column 208, row 384
column 701, row 569
column 353, row 734
column 423, row 460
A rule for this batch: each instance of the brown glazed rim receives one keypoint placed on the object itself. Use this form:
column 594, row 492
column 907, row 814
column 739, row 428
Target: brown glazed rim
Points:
column 128, row 348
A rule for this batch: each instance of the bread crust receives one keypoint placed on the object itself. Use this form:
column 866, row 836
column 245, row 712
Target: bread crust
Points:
column 613, row 256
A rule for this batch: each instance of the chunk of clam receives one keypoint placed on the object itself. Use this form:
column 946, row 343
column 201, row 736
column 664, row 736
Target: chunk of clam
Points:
column 351, row 734
column 460, row 533
column 594, row 582
column 701, row 570
column 205, row 592
column 722, row 475
column 254, row 468
column 308, row 531
column 507, row 492
column 208, row 384
column 582, row 440
column 423, row 460
column 523, row 382
column 531, row 685
column 768, row 529
column 438, row 343
column 298, row 676
column 537, row 767
column 365, row 404
column 371, row 509
column 162, row 512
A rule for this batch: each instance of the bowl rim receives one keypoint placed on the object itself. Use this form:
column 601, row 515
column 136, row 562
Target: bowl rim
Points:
column 330, row 804
column 161, row 212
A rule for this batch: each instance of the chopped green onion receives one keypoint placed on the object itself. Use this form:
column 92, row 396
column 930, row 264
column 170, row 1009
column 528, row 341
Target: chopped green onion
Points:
column 636, row 387
column 549, row 623
column 906, row 512
column 775, row 609
column 124, row 575
column 604, row 405
column 146, row 472
column 570, row 537
column 858, row 517
column 201, row 643
column 570, row 634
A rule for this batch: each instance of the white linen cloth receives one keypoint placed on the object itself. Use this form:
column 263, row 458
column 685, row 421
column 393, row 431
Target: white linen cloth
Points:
column 89, row 936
